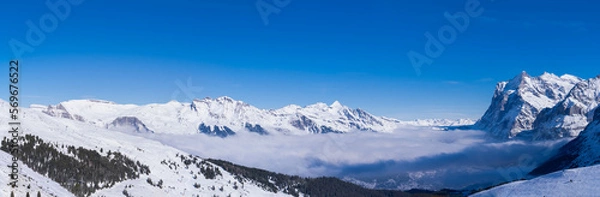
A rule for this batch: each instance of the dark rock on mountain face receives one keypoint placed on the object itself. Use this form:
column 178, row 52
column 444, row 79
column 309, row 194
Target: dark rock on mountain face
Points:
column 305, row 123
column 61, row 112
column 364, row 117
column 256, row 129
column 220, row 131
column 129, row 124
column 581, row 152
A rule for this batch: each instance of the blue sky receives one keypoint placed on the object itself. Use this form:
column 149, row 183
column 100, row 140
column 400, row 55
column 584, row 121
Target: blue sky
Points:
column 310, row 51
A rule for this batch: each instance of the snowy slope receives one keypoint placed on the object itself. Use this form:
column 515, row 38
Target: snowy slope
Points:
column 574, row 182
column 164, row 162
column 36, row 182
column 516, row 103
column 572, row 115
column 223, row 116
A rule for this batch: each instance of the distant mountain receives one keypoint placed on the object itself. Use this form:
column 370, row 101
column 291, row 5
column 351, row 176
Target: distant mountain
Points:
column 225, row 116
column 517, row 103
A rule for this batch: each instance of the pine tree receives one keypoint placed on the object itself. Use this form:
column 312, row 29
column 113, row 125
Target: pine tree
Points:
column 39, row 194
column 27, row 195
column 12, row 194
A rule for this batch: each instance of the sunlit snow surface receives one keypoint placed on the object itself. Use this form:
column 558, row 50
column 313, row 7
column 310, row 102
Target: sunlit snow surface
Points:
column 573, row 182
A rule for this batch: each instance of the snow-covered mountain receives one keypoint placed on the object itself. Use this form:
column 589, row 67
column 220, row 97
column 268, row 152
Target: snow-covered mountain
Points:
column 571, row 115
column 172, row 172
column 517, row 103
column 573, row 171
column 225, row 116
column 580, row 152
column 65, row 156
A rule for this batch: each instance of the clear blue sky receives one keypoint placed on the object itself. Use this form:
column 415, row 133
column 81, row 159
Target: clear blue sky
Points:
column 311, row 51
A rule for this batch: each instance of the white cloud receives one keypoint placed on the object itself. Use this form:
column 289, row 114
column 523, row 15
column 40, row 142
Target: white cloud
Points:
column 427, row 157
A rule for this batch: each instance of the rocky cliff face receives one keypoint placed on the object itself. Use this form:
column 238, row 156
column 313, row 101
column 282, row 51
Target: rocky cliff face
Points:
column 570, row 116
column 517, row 103
column 128, row 124
column 580, row 152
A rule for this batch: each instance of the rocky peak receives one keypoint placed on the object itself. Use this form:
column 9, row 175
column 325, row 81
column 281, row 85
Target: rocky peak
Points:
column 571, row 115
column 517, row 102
column 128, row 124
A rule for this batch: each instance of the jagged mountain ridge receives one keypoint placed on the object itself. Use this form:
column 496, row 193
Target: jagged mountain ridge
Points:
column 225, row 116
column 541, row 108
column 517, row 102
column 571, row 115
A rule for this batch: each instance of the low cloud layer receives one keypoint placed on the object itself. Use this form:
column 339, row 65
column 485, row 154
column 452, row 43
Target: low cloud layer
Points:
column 411, row 157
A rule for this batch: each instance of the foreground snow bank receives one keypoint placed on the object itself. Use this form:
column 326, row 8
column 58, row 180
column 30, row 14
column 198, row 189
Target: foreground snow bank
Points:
column 573, row 182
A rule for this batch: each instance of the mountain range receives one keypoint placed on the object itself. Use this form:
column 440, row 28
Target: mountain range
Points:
column 225, row 116
column 94, row 136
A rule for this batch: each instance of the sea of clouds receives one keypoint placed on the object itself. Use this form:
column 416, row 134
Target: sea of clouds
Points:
column 411, row 157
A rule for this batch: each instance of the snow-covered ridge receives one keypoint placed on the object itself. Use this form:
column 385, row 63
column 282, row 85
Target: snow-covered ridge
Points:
column 229, row 114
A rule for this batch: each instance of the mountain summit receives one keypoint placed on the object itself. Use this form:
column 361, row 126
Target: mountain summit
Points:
column 517, row 102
